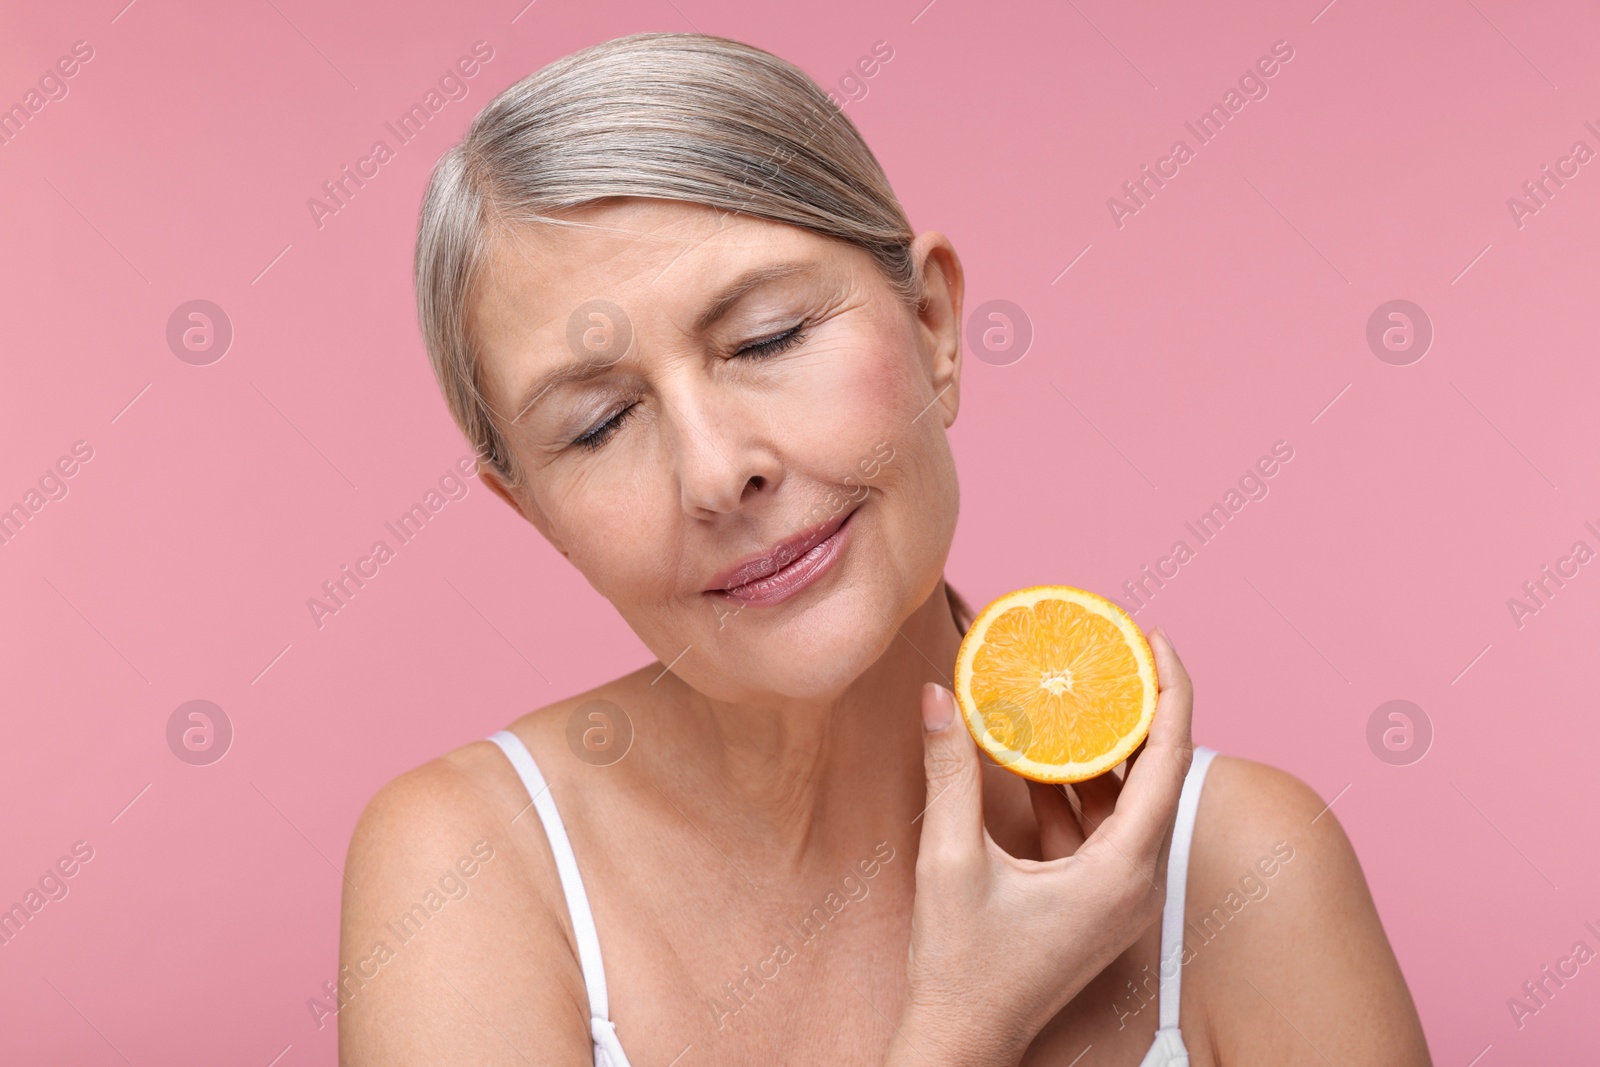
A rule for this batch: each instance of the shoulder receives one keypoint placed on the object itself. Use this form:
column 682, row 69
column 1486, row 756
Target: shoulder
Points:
column 429, row 817
column 1261, row 834
column 446, row 835
column 425, row 813
column 452, row 914
column 474, row 791
column 1246, row 808
column 472, row 796
column 1281, row 926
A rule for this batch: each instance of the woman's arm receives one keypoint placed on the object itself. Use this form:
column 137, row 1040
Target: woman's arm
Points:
column 1283, row 928
column 449, row 951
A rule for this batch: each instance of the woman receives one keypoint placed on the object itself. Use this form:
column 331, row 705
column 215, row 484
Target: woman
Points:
column 670, row 296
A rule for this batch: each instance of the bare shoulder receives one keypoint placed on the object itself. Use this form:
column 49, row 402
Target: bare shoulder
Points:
column 428, row 814
column 454, row 937
column 1289, row 955
column 1247, row 808
column 439, row 804
column 427, row 818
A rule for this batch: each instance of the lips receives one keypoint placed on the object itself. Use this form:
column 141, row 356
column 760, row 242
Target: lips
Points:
column 785, row 552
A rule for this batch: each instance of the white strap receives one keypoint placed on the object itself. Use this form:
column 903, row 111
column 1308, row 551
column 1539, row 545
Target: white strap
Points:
column 1167, row 1050
column 1172, row 920
column 607, row 1049
column 594, row 975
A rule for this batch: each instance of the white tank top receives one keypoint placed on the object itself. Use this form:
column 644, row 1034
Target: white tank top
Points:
column 1167, row 1051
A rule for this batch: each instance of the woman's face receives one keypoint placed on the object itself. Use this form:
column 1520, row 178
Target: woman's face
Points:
column 743, row 383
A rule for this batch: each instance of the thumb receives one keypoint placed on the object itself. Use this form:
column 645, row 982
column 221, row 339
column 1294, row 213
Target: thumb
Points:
column 953, row 817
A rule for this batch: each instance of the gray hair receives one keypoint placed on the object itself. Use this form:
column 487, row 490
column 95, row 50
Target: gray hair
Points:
column 672, row 116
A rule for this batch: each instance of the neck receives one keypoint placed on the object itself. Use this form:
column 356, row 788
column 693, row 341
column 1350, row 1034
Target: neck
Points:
column 798, row 783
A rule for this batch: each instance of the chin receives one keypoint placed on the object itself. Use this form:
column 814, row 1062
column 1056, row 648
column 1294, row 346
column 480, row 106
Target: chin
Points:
column 815, row 654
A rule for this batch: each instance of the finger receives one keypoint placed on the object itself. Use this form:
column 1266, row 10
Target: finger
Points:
column 1175, row 704
column 952, row 821
column 1059, row 832
column 1099, row 798
column 1133, row 757
column 1148, row 802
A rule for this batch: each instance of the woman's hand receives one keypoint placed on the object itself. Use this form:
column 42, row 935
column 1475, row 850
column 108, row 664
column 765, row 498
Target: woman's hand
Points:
column 999, row 945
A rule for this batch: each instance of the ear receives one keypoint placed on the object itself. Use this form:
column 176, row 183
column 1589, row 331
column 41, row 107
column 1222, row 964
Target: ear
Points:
column 939, row 317
column 521, row 502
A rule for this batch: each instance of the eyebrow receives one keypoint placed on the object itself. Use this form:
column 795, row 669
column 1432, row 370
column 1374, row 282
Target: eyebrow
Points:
column 726, row 301
column 743, row 286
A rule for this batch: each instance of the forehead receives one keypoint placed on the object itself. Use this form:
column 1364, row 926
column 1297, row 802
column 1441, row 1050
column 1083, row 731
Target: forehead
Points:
column 659, row 260
column 659, row 253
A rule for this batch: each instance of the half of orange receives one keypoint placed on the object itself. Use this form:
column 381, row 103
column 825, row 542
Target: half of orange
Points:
column 1056, row 683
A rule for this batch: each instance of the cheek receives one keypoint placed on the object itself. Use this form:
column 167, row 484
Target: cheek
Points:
column 875, row 439
column 596, row 516
column 858, row 408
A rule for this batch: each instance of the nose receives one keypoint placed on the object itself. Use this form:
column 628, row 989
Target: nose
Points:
column 723, row 462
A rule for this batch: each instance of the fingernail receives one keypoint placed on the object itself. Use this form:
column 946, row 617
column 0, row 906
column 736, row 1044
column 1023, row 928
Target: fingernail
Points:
column 937, row 713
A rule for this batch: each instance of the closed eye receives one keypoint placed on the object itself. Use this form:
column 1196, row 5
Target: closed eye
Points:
column 772, row 346
column 784, row 341
column 600, row 434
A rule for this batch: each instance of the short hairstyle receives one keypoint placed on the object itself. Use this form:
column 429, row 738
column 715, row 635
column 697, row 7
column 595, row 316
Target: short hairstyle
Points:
column 674, row 116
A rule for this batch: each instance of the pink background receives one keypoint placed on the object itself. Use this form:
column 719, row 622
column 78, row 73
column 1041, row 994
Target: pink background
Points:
column 1228, row 314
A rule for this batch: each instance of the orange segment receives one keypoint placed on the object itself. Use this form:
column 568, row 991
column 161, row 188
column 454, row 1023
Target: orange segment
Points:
column 1056, row 683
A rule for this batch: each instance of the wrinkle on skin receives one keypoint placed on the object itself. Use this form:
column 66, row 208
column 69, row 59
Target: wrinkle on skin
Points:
column 796, row 714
